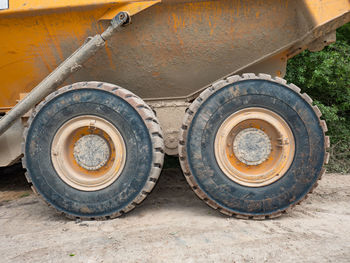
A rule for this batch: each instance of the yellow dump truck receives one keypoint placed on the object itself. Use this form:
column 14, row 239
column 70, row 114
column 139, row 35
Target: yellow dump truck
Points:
column 94, row 93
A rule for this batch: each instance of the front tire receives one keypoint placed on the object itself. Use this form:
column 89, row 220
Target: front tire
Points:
column 93, row 150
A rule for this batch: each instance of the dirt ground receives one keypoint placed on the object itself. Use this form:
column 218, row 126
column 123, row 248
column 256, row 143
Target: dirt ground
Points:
column 173, row 225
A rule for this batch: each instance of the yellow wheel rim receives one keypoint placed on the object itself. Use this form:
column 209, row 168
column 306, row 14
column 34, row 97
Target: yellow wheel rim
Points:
column 88, row 153
column 254, row 147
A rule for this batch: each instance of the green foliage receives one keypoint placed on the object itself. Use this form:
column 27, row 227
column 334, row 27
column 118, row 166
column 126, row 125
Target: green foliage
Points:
column 325, row 76
column 343, row 33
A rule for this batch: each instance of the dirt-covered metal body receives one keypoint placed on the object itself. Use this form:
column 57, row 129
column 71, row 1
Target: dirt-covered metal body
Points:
column 172, row 50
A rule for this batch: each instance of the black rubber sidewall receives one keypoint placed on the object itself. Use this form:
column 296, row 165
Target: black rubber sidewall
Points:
column 124, row 117
column 297, row 181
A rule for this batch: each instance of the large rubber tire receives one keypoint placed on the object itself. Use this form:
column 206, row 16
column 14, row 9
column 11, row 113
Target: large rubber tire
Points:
column 197, row 142
column 137, row 125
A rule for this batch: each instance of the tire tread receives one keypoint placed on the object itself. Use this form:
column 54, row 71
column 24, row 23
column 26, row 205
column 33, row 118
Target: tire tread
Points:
column 188, row 119
column 147, row 115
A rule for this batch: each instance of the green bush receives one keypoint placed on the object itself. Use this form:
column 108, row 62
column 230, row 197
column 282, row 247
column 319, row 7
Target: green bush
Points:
column 325, row 76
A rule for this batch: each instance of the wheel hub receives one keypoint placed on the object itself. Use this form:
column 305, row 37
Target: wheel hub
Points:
column 91, row 152
column 252, row 146
column 88, row 153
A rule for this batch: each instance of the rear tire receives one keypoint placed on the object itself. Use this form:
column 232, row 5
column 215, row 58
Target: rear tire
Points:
column 113, row 176
column 279, row 146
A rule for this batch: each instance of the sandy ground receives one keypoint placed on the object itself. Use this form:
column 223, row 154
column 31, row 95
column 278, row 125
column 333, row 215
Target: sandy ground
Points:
column 173, row 225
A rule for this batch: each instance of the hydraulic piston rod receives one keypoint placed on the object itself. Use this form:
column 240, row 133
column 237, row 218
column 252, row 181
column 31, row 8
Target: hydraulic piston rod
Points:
column 62, row 72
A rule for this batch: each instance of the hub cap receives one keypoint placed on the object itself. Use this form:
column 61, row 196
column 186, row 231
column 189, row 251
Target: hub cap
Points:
column 91, row 152
column 254, row 147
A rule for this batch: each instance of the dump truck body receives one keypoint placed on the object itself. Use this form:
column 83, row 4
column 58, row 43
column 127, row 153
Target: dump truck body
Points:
column 172, row 52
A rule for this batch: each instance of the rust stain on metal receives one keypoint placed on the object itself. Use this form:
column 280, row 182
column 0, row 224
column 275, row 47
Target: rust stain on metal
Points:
column 173, row 49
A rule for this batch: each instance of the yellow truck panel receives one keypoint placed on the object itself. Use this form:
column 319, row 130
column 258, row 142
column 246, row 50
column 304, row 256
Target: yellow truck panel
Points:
column 201, row 79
